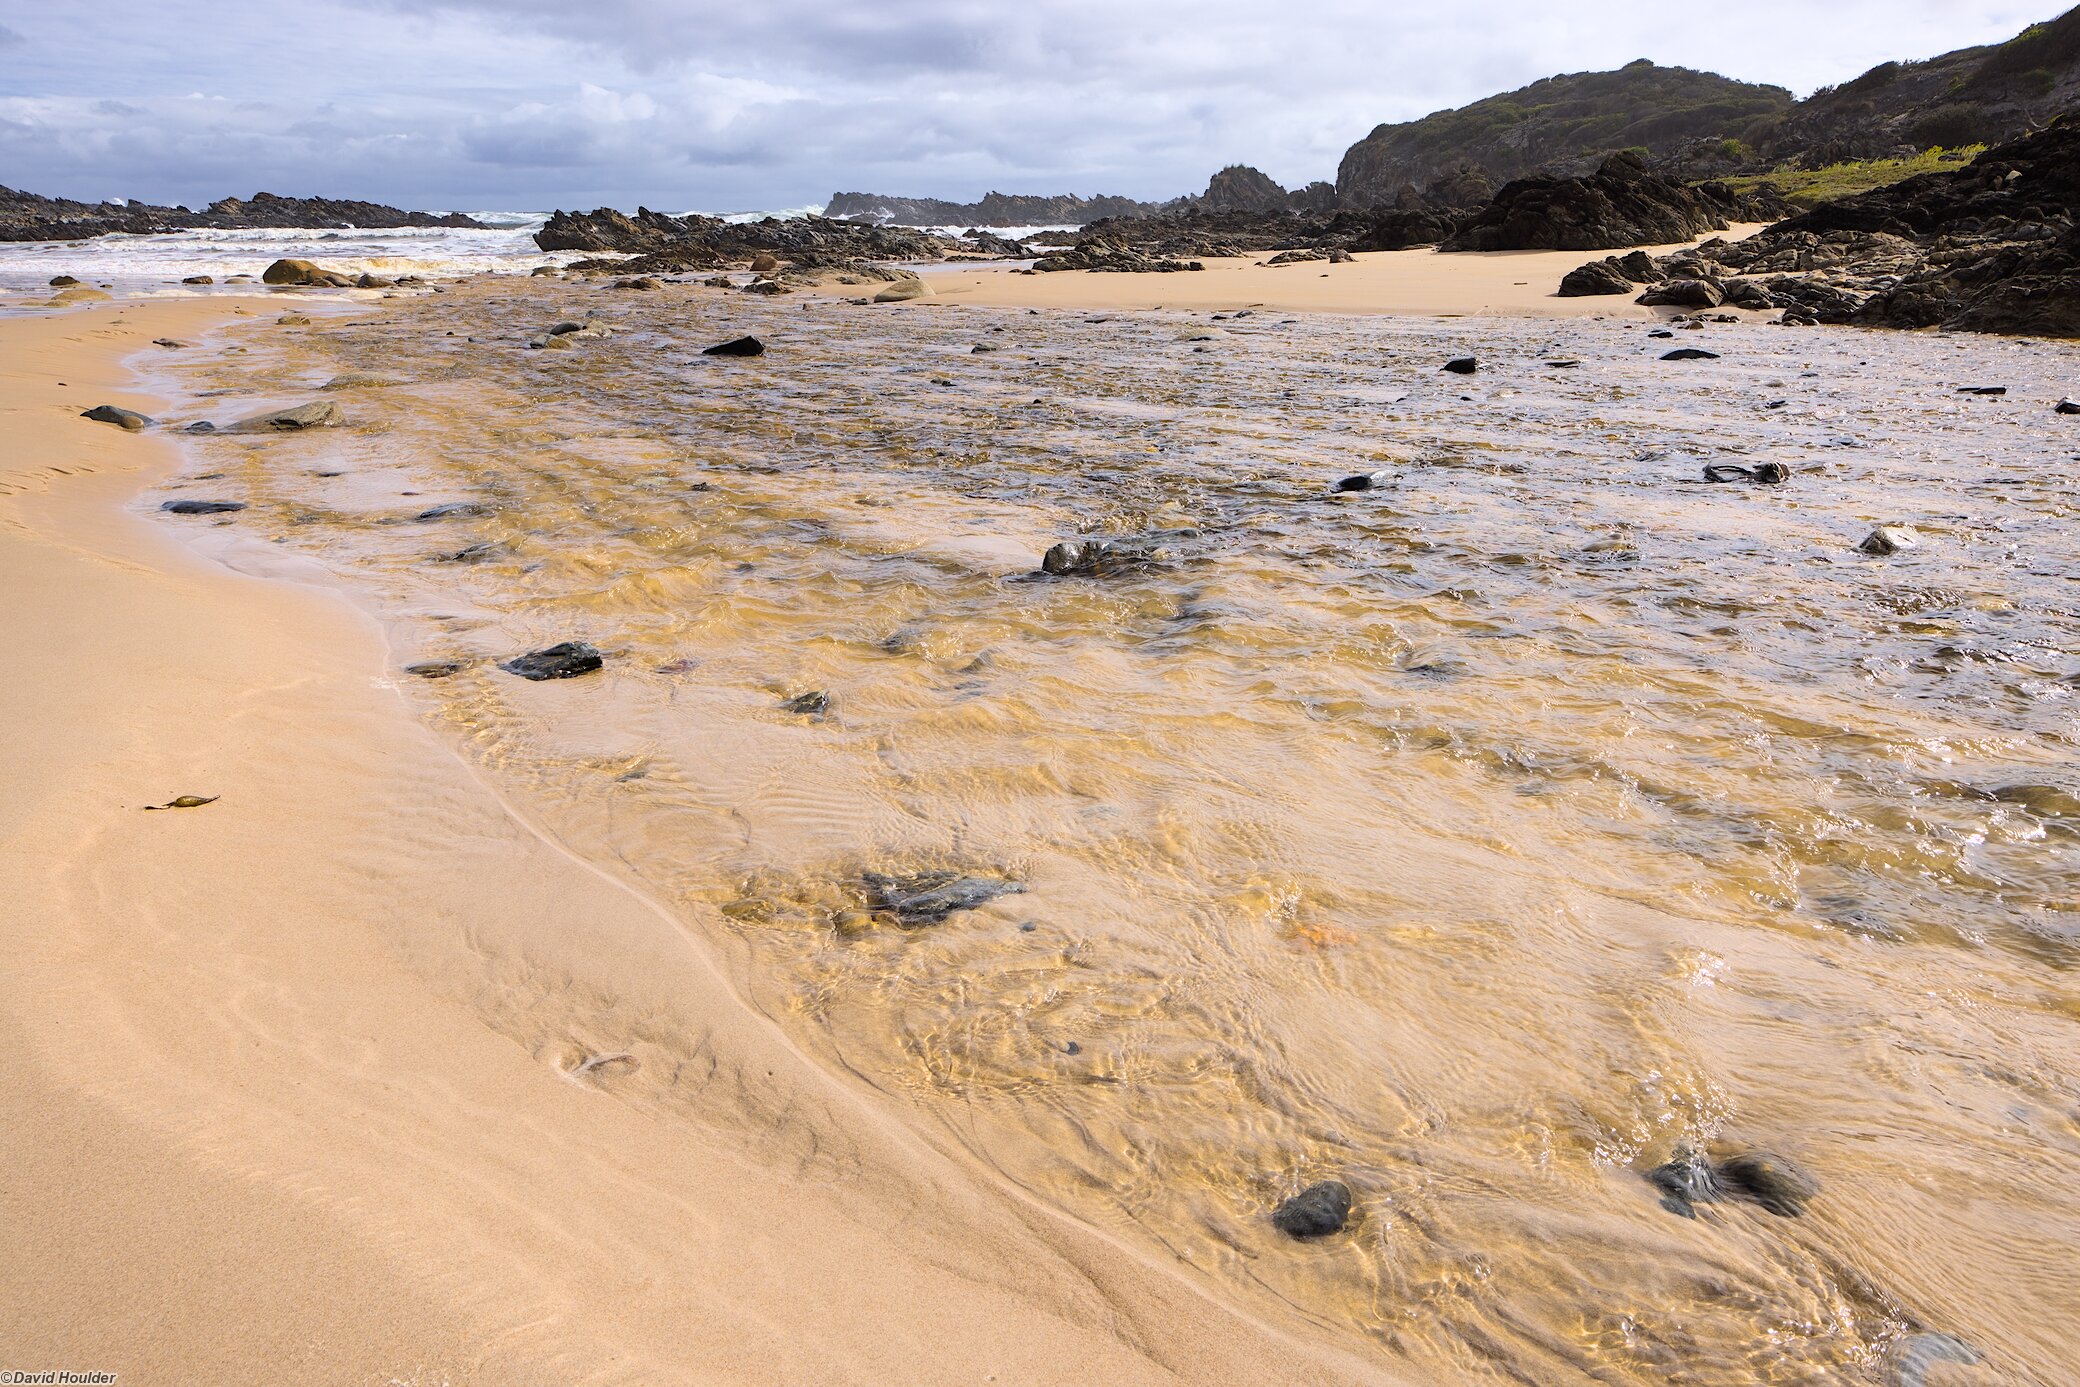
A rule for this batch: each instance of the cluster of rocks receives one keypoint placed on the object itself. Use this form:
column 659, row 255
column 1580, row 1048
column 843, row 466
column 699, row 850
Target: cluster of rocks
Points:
column 1622, row 204
column 994, row 209
column 29, row 217
column 664, row 244
column 1990, row 247
column 1111, row 255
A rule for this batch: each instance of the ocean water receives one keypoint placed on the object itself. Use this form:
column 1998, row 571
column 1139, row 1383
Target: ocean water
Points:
column 155, row 265
column 1479, row 840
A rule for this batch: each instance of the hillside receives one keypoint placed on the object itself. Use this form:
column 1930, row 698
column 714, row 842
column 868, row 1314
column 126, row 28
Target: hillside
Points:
column 1566, row 124
column 1971, row 96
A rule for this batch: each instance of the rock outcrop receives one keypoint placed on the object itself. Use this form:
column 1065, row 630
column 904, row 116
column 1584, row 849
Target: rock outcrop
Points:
column 995, row 209
column 1621, row 204
column 29, row 217
column 1991, row 247
column 664, row 244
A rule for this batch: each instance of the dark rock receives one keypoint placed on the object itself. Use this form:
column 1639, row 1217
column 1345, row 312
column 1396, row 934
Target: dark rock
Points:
column 566, row 660
column 1767, row 473
column 437, row 669
column 929, row 897
column 201, row 426
column 2067, row 407
column 201, row 507
column 1685, row 1181
column 1364, row 481
column 1111, row 254
column 1689, row 354
column 1316, row 1212
column 1621, row 204
column 813, row 704
column 199, row 279
column 736, row 346
column 1683, row 293
column 1771, row 1181
column 1661, row 332
column 455, row 510
column 1595, row 278
column 473, row 553
column 670, row 245
column 168, row 342
column 305, row 273
column 1462, row 365
column 1098, row 558
column 62, row 281
column 1982, row 389
column 129, row 420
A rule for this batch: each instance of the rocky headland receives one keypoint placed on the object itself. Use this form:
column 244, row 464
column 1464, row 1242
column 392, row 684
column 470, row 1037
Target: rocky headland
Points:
column 31, row 217
column 1622, row 204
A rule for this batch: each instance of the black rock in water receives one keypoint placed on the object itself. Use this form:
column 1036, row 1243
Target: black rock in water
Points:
column 1771, row 1181
column 2067, row 407
column 1098, row 558
column 1317, row 1211
column 437, row 669
column 128, row 420
column 1364, row 481
column 813, row 704
column 1685, row 1181
column 201, row 507
column 1689, row 354
column 929, row 897
column 1982, row 389
column 566, row 660
column 201, row 426
column 1462, row 365
column 455, row 510
column 1767, row 473
column 473, row 553
column 736, row 346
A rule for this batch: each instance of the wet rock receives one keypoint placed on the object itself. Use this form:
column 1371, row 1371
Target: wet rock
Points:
column 1889, row 539
column 201, row 426
column 1685, row 1181
column 929, row 897
column 1767, row 473
column 304, row 272
column 128, row 420
column 201, row 507
column 359, row 380
column 199, row 279
column 813, row 704
column 455, row 510
column 437, row 669
column 736, row 346
column 634, row 282
column 62, row 281
column 904, row 289
column 293, row 320
column 1364, row 481
column 1097, row 558
column 550, row 342
column 1462, row 365
column 171, row 343
column 1689, row 354
column 318, row 414
column 2067, row 407
column 565, row 660
column 1316, row 1212
column 1982, row 389
column 1908, row 1363
column 1771, row 1181
column 1661, row 332
column 473, row 553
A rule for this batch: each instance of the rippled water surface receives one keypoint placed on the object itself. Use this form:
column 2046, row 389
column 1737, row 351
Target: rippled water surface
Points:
column 1476, row 840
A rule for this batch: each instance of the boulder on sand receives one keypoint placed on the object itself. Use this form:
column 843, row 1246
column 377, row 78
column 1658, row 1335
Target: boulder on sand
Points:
column 904, row 289
column 304, row 272
column 128, row 420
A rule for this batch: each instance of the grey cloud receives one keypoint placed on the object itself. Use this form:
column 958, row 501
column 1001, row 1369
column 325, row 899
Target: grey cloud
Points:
column 681, row 104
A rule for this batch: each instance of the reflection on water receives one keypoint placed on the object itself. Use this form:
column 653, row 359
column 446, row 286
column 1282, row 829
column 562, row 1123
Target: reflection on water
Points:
column 1478, row 840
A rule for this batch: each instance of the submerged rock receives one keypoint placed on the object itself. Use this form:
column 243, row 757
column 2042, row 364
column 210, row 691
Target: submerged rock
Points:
column 1767, row 473
column 565, row 660
column 455, row 510
column 1685, row 1181
column 929, row 897
column 129, row 420
column 1316, row 1212
column 1912, row 1357
column 315, row 415
column 437, row 669
column 1098, row 558
column 201, row 507
column 1889, row 539
column 813, row 704
column 1363, row 481
column 1771, row 1181
column 736, row 346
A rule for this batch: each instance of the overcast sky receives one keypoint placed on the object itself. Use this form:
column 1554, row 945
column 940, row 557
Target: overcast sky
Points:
column 682, row 104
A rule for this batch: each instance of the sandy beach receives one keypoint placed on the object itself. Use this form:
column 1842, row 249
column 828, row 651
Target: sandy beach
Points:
column 299, row 1087
column 1423, row 282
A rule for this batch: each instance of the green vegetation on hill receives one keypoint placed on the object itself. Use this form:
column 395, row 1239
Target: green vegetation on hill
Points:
column 1808, row 188
column 1575, row 118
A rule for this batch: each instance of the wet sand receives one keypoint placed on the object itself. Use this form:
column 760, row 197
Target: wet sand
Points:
column 1479, row 841
column 298, row 1085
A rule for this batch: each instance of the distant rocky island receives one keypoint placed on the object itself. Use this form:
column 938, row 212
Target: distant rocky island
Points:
column 29, row 217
